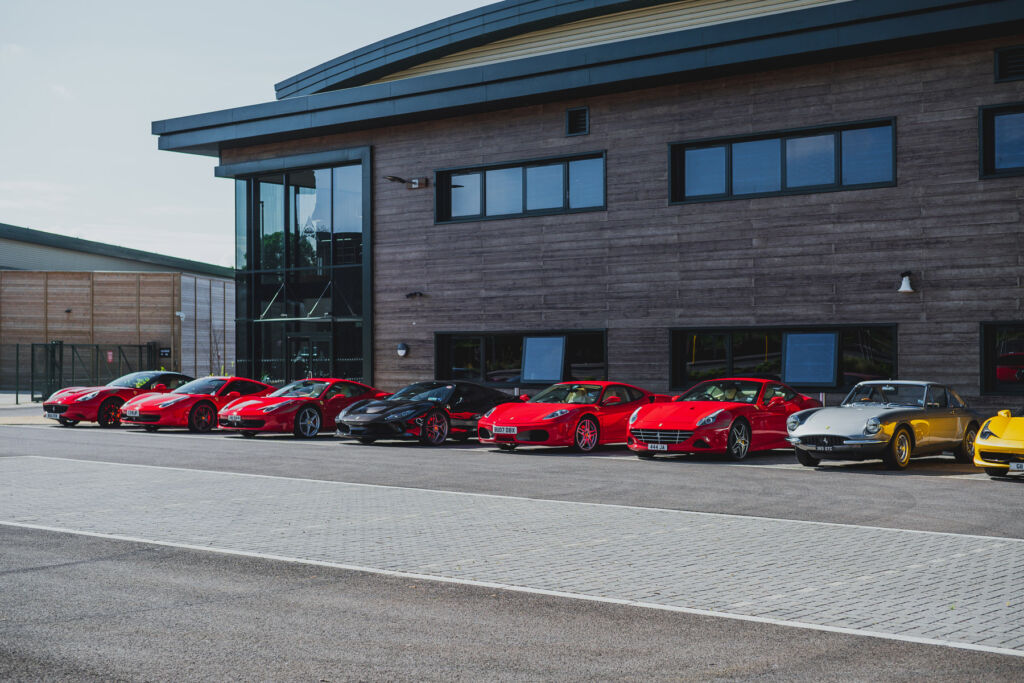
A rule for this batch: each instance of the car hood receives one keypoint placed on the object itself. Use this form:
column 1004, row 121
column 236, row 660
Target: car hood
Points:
column 512, row 413
column 848, row 419
column 152, row 400
column 74, row 392
column 680, row 414
column 1008, row 429
column 378, row 408
column 247, row 405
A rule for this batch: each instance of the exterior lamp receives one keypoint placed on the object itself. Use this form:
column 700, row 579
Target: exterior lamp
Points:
column 403, row 349
column 905, row 287
column 410, row 183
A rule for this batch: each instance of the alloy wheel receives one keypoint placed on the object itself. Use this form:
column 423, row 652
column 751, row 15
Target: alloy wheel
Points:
column 586, row 434
column 739, row 440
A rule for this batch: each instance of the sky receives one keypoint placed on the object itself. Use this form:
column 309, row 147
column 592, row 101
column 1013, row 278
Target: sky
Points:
column 81, row 82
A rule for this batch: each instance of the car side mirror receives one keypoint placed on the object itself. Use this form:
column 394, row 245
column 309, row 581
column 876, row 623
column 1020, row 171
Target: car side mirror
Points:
column 160, row 387
column 676, row 398
column 233, row 395
column 1004, row 413
column 611, row 400
column 775, row 402
column 524, row 397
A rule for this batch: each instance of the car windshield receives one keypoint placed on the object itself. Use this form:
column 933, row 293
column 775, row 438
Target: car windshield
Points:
column 437, row 392
column 569, row 393
column 892, row 393
column 732, row 391
column 304, row 388
column 203, row 385
column 135, row 380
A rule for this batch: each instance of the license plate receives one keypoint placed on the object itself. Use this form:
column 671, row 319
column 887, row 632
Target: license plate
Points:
column 823, row 449
column 131, row 413
column 1017, row 466
column 506, row 430
column 657, row 447
column 52, row 416
column 234, row 419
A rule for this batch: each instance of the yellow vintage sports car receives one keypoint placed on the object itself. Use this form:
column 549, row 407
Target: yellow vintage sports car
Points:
column 999, row 447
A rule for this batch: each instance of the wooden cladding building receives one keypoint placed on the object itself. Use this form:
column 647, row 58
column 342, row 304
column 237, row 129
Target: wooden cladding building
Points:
column 675, row 190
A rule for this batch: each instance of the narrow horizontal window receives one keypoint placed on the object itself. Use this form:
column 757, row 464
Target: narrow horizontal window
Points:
column 507, row 190
column 822, row 159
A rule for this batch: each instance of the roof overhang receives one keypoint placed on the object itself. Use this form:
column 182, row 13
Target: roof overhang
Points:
column 819, row 34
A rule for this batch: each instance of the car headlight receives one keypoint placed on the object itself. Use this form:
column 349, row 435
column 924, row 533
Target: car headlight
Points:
column 404, row 415
column 88, row 397
column 171, row 402
column 636, row 414
column 792, row 423
column 558, row 413
column 709, row 419
column 985, row 433
column 489, row 412
column 276, row 406
column 872, row 426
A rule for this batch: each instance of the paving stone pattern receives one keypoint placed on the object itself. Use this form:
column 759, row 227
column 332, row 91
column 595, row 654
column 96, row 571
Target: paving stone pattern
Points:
column 964, row 589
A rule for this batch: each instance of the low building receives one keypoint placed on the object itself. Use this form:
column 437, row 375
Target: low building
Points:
column 114, row 309
column 674, row 190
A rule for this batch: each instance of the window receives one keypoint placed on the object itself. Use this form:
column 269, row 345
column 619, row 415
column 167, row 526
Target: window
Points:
column 577, row 121
column 1009, row 64
column 864, row 352
column 824, row 159
column 506, row 190
column 1002, row 140
column 1002, row 358
column 497, row 359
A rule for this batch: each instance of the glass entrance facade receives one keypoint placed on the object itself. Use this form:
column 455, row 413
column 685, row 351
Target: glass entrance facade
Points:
column 303, row 261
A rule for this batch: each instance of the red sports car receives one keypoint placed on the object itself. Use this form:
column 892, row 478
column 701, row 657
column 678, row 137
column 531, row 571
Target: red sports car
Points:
column 103, row 404
column 301, row 407
column 577, row 414
column 733, row 416
column 193, row 405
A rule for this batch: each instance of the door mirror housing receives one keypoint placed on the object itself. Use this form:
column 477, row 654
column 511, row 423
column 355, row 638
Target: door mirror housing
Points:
column 1004, row 413
column 524, row 397
column 160, row 387
column 232, row 395
column 611, row 400
column 775, row 402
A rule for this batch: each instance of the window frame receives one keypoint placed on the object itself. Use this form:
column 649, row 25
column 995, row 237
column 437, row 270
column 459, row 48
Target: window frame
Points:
column 728, row 330
column 442, row 188
column 677, row 159
column 986, row 140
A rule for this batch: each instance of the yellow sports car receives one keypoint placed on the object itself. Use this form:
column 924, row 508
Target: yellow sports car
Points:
column 999, row 447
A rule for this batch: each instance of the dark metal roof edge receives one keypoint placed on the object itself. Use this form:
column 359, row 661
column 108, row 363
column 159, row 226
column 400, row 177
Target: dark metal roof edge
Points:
column 445, row 36
column 49, row 239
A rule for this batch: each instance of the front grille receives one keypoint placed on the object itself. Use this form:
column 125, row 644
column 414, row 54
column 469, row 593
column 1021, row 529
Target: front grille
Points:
column 143, row 418
column 665, row 436
column 245, row 424
column 822, row 440
column 54, row 408
column 533, row 435
column 995, row 456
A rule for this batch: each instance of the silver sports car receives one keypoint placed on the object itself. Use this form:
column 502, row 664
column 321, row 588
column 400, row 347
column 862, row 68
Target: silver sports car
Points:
column 891, row 420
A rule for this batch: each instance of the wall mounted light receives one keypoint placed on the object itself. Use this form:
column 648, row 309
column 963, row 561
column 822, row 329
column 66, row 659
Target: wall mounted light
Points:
column 67, row 310
column 905, row 287
column 410, row 183
column 414, row 295
column 403, row 349
column 180, row 315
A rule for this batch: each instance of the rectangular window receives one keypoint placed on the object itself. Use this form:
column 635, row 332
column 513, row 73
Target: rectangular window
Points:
column 501, row 191
column 498, row 358
column 863, row 352
column 1002, row 358
column 1002, row 140
column 847, row 156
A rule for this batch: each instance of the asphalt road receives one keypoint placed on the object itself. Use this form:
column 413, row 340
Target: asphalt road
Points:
column 80, row 607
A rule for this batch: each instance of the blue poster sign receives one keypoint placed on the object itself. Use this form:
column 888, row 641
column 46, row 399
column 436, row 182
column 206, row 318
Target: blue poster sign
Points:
column 543, row 358
column 810, row 359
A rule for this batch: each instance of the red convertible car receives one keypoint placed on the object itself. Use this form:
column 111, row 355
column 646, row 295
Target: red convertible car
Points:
column 733, row 416
column 103, row 404
column 193, row 405
column 301, row 407
column 578, row 414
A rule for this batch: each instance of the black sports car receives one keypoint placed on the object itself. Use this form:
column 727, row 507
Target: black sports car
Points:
column 427, row 411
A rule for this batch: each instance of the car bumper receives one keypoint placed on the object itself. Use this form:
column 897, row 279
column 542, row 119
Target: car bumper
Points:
column 703, row 440
column 829, row 447
column 1009, row 458
column 395, row 429
column 257, row 423
column 151, row 419
column 70, row 411
column 535, row 434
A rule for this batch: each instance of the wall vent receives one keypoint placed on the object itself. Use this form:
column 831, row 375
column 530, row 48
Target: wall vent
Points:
column 1010, row 64
column 577, row 121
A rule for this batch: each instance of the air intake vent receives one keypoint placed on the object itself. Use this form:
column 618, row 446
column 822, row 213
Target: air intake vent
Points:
column 1010, row 64
column 577, row 121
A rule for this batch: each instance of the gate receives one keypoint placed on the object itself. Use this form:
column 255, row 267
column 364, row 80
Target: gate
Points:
column 56, row 365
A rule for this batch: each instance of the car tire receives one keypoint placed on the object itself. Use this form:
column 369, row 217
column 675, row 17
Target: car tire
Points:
column 995, row 472
column 150, row 428
column 739, row 440
column 366, row 440
column 806, row 459
column 202, row 417
column 587, row 434
column 964, row 452
column 109, row 414
column 435, row 428
column 507, row 447
column 896, row 455
column 248, row 435
column 64, row 422
column 307, row 422
column 645, row 456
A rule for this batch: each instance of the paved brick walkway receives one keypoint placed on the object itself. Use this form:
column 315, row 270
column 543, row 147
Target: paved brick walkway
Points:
column 944, row 587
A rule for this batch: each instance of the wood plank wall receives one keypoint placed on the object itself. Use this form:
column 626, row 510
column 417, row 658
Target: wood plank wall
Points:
column 645, row 266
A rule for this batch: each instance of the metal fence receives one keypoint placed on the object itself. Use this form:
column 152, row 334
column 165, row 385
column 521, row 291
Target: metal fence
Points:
column 41, row 369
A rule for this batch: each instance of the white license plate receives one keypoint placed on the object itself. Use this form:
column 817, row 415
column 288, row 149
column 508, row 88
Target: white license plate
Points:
column 506, row 430
column 1017, row 466
column 234, row 419
column 823, row 449
column 657, row 447
column 131, row 413
column 52, row 416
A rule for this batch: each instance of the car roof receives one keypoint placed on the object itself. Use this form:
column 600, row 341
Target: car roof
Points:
column 915, row 382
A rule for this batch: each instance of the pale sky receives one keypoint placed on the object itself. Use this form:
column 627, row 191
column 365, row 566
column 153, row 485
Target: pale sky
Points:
column 80, row 83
